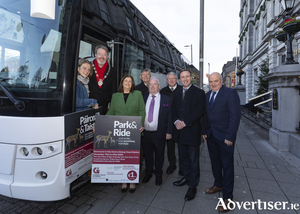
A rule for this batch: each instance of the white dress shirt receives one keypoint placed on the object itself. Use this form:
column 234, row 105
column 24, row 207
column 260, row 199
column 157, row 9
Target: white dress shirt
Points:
column 153, row 125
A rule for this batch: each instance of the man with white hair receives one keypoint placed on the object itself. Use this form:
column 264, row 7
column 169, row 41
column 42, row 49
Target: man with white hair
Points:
column 169, row 91
column 157, row 129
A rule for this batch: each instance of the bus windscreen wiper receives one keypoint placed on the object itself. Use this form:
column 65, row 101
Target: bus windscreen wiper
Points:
column 19, row 104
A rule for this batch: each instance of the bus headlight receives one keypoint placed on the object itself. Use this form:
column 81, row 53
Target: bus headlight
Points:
column 24, row 151
column 38, row 151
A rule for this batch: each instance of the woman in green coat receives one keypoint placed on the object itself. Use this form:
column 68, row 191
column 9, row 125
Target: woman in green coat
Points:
column 127, row 102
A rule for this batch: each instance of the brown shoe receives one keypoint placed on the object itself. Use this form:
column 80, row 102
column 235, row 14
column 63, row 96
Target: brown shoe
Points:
column 213, row 189
column 225, row 209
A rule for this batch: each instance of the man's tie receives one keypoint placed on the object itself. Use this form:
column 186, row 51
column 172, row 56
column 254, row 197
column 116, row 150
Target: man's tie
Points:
column 212, row 99
column 183, row 93
column 151, row 109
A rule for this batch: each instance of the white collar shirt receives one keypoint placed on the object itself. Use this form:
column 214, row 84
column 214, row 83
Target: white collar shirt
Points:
column 154, row 124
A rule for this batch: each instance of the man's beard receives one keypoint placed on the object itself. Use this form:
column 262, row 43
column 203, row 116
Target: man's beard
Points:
column 100, row 64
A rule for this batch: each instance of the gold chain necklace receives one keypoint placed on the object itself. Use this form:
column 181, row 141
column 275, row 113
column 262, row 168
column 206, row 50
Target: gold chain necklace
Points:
column 101, row 81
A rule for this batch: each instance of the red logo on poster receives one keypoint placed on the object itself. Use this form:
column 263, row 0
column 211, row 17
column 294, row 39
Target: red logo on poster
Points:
column 132, row 175
column 69, row 172
column 96, row 170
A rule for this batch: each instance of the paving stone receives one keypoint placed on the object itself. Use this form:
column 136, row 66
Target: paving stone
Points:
column 242, row 163
column 251, row 164
column 261, row 165
column 200, row 205
column 240, row 182
column 265, row 186
column 67, row 208
column 162, row 200
column 142, row 195
column 286, row 177
column 259, row 173
column 154, row 210
column 128, row 207
column 290, row 189
column 239, row 171
column 105, row 205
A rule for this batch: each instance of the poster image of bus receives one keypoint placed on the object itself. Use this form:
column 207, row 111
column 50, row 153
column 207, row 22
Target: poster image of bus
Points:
column 116, row 153
column 79, row 141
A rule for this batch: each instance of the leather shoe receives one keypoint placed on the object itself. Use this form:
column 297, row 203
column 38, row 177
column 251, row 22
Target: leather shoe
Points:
column 181, row 182
column 171, row 169
column 225, row 209
column 146, row 178
column 158, row 180
column 213, row 189
column 180, row 172
column 131, row 190
column 123, row 190
column 190, row 195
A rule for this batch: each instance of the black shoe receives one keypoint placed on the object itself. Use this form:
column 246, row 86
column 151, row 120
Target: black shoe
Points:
column 181, row 182
column 131, row 190
column 158, row 180
column 171, row 169
column 180, row 172
column 146, row 178
column 190, row 195
column 123, row 190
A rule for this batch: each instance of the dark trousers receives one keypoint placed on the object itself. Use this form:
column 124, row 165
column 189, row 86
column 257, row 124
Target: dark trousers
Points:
column 151, row 144
column 221, row 157
column 189, row 156
column 171, row 152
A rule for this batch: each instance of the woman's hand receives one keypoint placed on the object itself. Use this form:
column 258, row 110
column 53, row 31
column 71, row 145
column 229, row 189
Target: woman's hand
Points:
column 96, row 106
column 142, row 128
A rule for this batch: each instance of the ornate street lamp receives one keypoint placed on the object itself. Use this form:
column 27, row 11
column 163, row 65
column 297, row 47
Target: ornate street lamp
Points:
column 287, row 4
column 290, row 30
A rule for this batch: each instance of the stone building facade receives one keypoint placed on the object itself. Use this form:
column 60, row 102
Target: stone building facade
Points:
column 259, row 23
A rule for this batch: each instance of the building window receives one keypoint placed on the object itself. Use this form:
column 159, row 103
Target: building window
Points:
column 144, row 37
column 104, row 11
column 164, row 52
column 130, row 28
column 256, row 37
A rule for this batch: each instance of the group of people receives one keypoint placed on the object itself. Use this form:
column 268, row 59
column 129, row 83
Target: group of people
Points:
column 182, row 114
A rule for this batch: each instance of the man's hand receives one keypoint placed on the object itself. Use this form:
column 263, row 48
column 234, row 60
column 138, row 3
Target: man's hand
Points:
column 168, row 136
column 228, row 142
column 204, row 137
column 180, row 125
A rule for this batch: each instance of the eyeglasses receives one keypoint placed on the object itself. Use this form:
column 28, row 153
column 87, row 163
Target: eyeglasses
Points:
column 105, row 55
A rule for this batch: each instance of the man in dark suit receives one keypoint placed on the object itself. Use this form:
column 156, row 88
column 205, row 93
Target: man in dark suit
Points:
column 145, row 77
column 103, row 82
column 187, row 110
column 221, row 124
column 169, row 91
column 158, row 127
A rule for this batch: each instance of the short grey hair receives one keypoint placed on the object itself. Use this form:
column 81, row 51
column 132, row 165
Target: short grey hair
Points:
column 171, row 73
column 102, row 47
column 154, row 78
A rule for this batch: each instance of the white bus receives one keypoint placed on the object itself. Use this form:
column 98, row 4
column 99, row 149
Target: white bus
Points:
column 40, row 44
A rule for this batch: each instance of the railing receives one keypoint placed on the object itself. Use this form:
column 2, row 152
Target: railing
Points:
column 261, row 95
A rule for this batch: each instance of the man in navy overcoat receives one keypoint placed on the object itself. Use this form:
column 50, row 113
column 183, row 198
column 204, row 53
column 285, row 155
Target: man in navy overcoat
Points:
column 221, row 123
column 187, row 110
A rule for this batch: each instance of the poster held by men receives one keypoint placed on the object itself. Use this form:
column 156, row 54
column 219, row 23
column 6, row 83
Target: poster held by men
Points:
column 116, row 153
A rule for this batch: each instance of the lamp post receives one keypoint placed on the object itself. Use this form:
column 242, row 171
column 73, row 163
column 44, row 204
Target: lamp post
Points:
column 290, row 29
column 186, row 46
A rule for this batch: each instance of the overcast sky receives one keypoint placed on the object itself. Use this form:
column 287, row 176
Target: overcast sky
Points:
column 179, row 21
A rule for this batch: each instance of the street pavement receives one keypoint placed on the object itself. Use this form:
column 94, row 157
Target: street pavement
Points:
column 262, row 174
